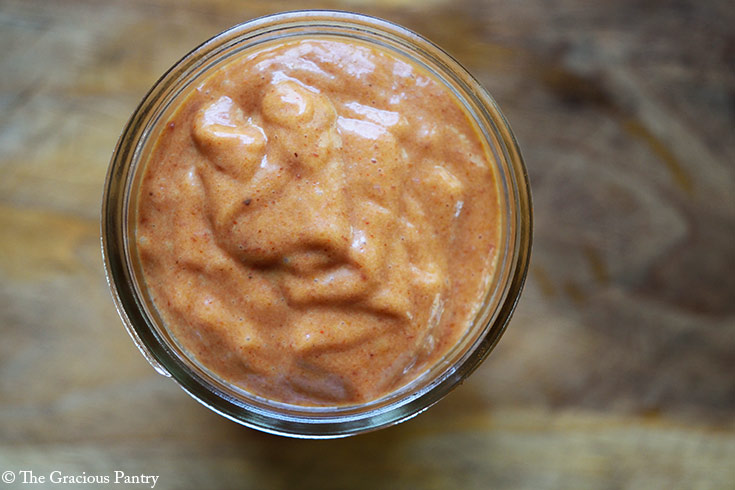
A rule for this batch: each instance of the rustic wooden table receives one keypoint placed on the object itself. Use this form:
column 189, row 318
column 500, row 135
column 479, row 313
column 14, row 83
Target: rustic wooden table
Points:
column 618, row 369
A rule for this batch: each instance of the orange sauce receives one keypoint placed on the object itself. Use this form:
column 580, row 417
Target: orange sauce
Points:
column 317, row 222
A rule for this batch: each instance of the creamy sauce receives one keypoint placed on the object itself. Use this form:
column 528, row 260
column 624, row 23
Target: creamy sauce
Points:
column 317, row 222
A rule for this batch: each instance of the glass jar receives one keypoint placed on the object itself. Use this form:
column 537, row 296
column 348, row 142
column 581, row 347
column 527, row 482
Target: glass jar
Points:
column 168, row 358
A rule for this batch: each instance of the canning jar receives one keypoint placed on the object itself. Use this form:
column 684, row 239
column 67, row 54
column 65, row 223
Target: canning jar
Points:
column 160, row 347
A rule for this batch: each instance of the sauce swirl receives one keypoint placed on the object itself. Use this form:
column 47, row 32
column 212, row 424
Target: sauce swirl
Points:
column 318, row 221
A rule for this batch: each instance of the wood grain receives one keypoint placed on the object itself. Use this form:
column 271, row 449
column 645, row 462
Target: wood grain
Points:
column 617, row 369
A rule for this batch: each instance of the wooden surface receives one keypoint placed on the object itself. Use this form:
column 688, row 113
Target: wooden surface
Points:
column 618, row 369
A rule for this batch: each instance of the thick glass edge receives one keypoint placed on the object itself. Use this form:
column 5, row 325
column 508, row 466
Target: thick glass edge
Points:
column 298, row 426
column 111, row 244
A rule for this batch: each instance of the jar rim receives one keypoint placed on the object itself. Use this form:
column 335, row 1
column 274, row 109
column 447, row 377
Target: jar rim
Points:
column 309, row 422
